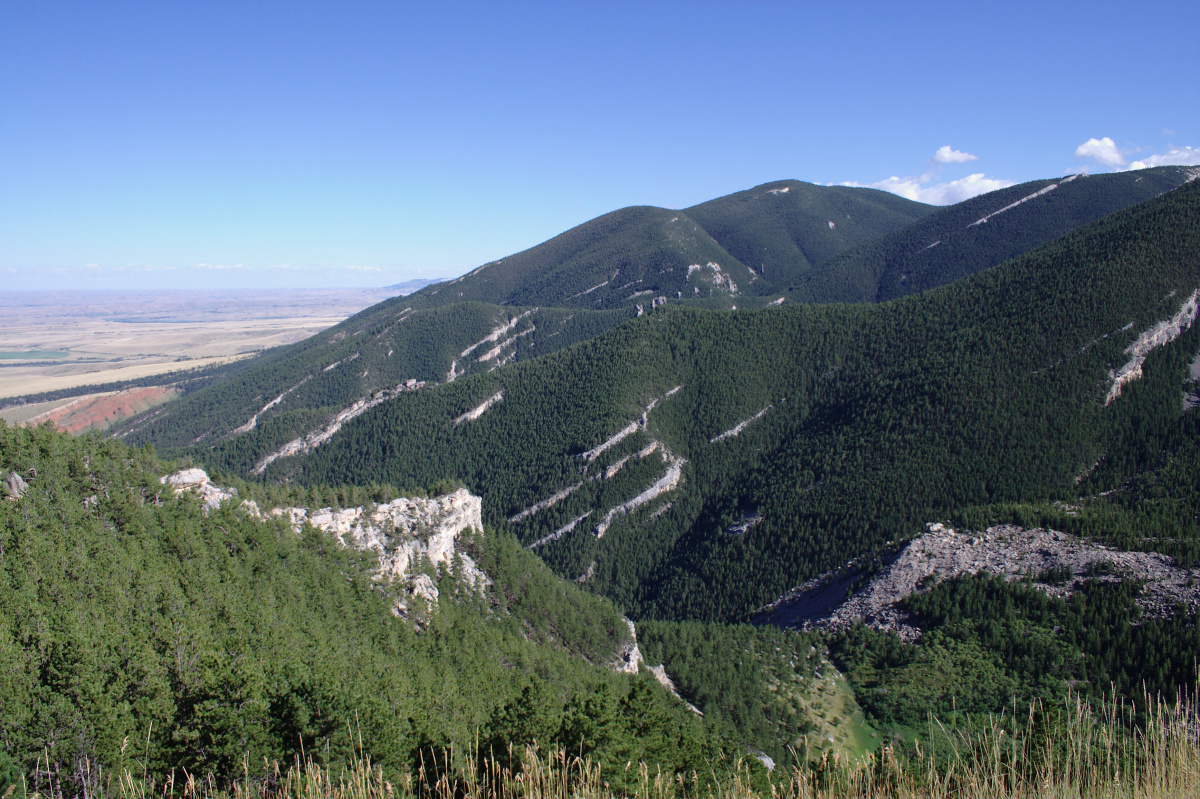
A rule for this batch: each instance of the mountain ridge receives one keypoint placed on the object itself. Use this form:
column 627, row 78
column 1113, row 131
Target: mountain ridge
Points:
column 835, row 401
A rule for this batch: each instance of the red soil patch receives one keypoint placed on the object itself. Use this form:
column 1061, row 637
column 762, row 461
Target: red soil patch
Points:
column 102, row 412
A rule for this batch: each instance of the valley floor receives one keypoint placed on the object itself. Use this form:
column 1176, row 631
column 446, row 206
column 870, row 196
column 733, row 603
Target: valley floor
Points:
column 57, row 340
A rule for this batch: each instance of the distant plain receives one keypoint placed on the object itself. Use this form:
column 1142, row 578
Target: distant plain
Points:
column 52, row 340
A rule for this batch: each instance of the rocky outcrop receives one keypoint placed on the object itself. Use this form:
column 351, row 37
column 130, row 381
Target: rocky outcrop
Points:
column 660, row 673
column 408, row 534
column 549, row 501
column 317, row 437
column 628, row 656
column 714, row 275
column 560, row 532
column 1191, row 394
column 1164, row 332
column 611, row 442
column 629, row 429
column 479, row 409
column 250, row 425
column 629, row 659
column 941, row 553
column 734, row 431
column 495, row 351
column 585, row 292
column 668, row 482
column 196, row 481
column 14, row 486
column 1027, row 198
column 496, row 334
column 414, row 538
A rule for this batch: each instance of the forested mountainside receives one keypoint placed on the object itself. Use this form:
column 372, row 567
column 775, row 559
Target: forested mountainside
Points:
column 520, row 307
column 685, row 465
column 374, row 355
column 696, row 464
column 962, row 239
column 735, row 248
column 817, row 243
column 219, row 636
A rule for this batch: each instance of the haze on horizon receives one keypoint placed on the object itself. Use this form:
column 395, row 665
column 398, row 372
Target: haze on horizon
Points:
column 226, row 145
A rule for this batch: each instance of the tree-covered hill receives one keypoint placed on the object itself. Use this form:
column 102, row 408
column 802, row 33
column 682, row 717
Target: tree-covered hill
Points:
column 975, row 234
column 605, row 272
column 780, row 230
column 759, row 240
column 696, row 464
column 292, row 390
column 142, row 630
column 736, row 251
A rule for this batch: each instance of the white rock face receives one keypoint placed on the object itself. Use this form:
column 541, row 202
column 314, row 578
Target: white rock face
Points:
column 408, row 534
column 317, row 437
column 495, row 351
column 479, row 410
column 196, row 480
column 546, row 503
column 1035, row 195
column 1164, row 332
column 630, row 655
column 250, row 425
column 734, row 431
column 668, row 482
column 1004, row 550
column 560, row 532
column 497, row 332
column 659, row 673
column 14, row 486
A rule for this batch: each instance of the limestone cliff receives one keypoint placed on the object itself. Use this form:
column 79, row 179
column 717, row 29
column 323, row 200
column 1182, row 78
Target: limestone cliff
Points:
column 1007, row 551
column 415, row 538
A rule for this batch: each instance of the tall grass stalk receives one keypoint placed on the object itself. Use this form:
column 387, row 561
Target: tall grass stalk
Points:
column 1070, row 751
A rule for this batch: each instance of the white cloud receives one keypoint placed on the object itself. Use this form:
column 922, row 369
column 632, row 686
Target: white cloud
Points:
column 363, row 268
column 922, row 189
column 946, row 155
column 1103, row 150
column 1176, row 156
column 219, row 266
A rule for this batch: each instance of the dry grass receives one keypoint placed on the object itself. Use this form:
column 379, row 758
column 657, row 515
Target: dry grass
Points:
column 113, row 336
column 1073, row 751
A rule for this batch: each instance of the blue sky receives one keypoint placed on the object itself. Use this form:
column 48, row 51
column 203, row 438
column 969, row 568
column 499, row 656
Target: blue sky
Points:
column 188, row 144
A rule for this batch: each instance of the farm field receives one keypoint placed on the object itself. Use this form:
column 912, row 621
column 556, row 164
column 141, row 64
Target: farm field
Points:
column 51, row 341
